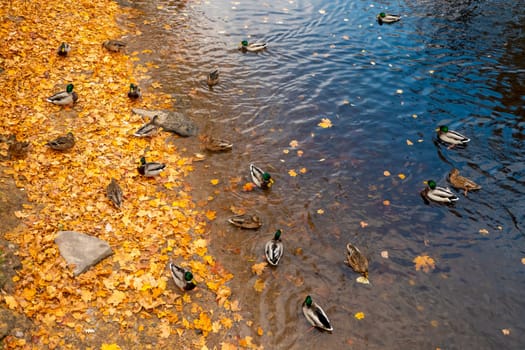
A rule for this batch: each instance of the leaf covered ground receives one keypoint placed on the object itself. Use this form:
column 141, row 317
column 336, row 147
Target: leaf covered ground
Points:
column 128, row 300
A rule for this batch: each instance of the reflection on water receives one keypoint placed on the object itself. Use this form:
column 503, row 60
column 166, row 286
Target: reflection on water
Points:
column 385, row 89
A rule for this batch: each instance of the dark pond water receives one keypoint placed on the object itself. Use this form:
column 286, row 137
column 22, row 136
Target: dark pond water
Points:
column 385, row 89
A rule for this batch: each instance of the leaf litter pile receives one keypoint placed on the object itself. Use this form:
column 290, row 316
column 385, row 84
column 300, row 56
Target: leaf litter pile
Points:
column 129, row 299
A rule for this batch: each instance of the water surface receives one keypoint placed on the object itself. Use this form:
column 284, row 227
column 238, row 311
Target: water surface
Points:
column 385, row 89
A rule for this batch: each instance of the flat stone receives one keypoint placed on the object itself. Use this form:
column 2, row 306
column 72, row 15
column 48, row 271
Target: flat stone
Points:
column 81, row 250
column 170, row 121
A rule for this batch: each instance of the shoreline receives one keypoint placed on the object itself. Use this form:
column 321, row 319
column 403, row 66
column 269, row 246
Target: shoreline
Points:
column 127, row 299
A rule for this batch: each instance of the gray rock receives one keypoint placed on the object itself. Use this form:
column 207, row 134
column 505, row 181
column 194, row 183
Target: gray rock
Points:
column 170, row 121
column 81, row 250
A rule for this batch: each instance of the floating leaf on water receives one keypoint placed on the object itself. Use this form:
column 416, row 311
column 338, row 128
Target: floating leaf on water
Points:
column 414, row 116
column 302, row 170
column 386, row 173
column 300, row 153
column 384, row 254
column 320, row 211
column 523, row 261
column 386, row 202
column 410, row 143
column 359, row 315
column 424, row 263
column 434, row 323
column 294, row 143
column 363, row 224
column 362, row 280
column 322, row 11
column 214, row 181
column 292, row 173
column 505, row 331
column 286, row 151
column 248, row 187
column 259, row 285
column 401, row 176
column 325, row 123
column 260, row 331
column 346, row 37
column 483, row 231
column 399, row 91
column 259, row 268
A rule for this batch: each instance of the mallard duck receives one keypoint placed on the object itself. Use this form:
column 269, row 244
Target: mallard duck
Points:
column 150, row 169
column 182, row 278
column 316, row 315
column 62, row 143
column 252, row 47
column 148, row 129
column 357, row 261
column 114, row 45
column 213, row 78
column 387, row 18
column 17, row 149
column 64, row 98
column 260, row 178
column 247, row 221
column 63, row 49
column 458, row 181
column 114, row 193
column 216, row 145
column 274, row 249
column 438, row 194
column 451, row 137
column 134, row 91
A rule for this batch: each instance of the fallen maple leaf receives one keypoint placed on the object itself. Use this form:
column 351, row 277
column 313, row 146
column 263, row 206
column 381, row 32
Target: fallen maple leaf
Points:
column 325, row 123
column 425, row 263
column 259, row 285
column 359, row 315
column 259, row 268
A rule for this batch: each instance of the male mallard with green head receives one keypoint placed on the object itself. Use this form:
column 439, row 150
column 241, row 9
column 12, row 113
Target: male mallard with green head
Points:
column 387, row 18
column 316, row 315
column 451, row 137
column 134, row 91
column 460, row 182
column 64, row 98
column 63, row 49
column 274, row 249
column 260, row 178
column 252, row 47
column 62, row 143
column 438, row 194
column 150, row 169
column 182, row 278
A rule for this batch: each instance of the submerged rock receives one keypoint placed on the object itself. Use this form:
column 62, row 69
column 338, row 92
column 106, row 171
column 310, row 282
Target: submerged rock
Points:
column 81, row 250
column 170, row 121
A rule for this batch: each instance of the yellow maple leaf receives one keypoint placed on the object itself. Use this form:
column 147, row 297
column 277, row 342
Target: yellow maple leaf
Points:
column 11, row 302
column 325, row 123
column 211, row 214
column 425, row 263
column 117, row 297
column 294, row 143
column 228, row 346
column 214, row 181
column 401, row 176
column 292, row 173
column 259, row 285
column 259, row 268
column 110, row 347
column 359, row 315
